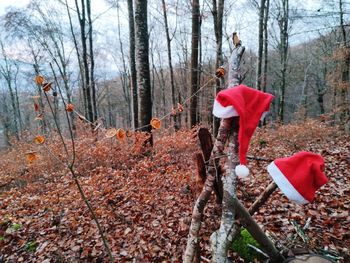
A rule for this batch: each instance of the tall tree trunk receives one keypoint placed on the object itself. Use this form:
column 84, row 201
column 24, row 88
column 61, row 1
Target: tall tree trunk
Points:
column 283, row 25
column 86, row 75
column 194, row 61
column 126, row 87
column 142, row 63
column 92, row 61
column 172, row 80
column 344, row 114
column 260, row 44
column 6, row 122
column 133, row 64
column 266, row 43
column 81, row 67
column 218, row 12
column 6, row 72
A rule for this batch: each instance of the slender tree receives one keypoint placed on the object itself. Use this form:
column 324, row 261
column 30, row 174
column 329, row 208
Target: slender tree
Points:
column 283, row 20
column 262, row 8
column 218, row 12
column 172, row 80
column 133, row 63
column 142, row 64
column 266, row 43
column 194, row 61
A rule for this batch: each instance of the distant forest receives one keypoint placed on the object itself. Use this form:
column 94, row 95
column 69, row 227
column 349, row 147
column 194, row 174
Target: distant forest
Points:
column 140, row 59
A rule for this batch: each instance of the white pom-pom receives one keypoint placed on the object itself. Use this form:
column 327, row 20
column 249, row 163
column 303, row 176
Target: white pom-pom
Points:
column 242, row 171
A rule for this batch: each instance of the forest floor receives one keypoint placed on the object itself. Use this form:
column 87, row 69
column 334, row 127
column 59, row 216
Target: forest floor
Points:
column 144, row 197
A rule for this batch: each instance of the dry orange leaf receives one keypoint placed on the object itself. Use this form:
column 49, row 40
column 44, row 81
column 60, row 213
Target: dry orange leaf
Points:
column 111, row 132
column 36, row 106
column 39, row 80
column 31, row 157
column 180, row 108
column 220, row 72
column 120, row 134
column 155, row 123
column 128, row 133
column 69, row 107
column 39, row 139
column 47, row 86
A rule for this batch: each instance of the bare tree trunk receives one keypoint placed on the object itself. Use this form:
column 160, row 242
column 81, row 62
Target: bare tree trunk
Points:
column 194, row 61
column 142, row 63
column 283, row 25
column 266, row 43
column 344, row 114
column 92, row 61
column 86, row 73
column 133, row 64
column 304, row 90
column 126, row 87
column 17, row 100
column 218, row 11
column 7, row 74
column 222, row 238
column 6, row 122
column 172, row 80
column 83, row 84
column 260, row 45
column 197, row 214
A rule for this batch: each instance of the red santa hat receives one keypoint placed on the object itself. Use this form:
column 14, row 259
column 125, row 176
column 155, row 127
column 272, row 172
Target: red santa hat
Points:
column 299, row 176
column 250, row 105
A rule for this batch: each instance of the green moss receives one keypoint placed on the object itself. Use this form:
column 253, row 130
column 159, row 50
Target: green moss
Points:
column 240, row 245
column 262, row 143
column 16, row 226
column 1, row 238
column 31, row 246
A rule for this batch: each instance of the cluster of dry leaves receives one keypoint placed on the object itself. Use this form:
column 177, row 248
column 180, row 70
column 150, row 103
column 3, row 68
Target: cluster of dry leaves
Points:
column 144, row 197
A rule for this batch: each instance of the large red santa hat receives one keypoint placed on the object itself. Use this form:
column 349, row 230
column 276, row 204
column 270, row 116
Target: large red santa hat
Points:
column 299, row 176
column 250, row 105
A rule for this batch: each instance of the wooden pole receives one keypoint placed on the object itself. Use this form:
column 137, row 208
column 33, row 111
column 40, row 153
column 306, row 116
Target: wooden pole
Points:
column 222, row 238
column 197, row 214
column 249, row 223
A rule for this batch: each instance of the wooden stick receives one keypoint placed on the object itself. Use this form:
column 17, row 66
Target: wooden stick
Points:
column 206, row 145
column 197, row 214
column 262, row 198
column 249, row 223
column 222, row 238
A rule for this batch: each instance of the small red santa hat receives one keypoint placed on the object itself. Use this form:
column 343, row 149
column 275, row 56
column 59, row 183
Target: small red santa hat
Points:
column 299, row 176
column 250, row 105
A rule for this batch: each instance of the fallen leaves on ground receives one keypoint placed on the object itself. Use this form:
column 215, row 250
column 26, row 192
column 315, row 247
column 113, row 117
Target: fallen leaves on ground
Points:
column 144, row 197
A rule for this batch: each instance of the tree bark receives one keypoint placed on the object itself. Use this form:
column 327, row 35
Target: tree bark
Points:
column 197, row 214
column 266, row 43
column 85, row 74
column 92, row 62
column 194, row 62
column 133, row 65
column 284, row 43
column 222, row 238
column 260, row 44
column 172, row 80
column 344, row 114
column 142, row 63
column 218, row 11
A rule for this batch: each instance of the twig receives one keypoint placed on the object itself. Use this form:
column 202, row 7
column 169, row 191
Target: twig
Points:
column 75, row 178
column 258, row 250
